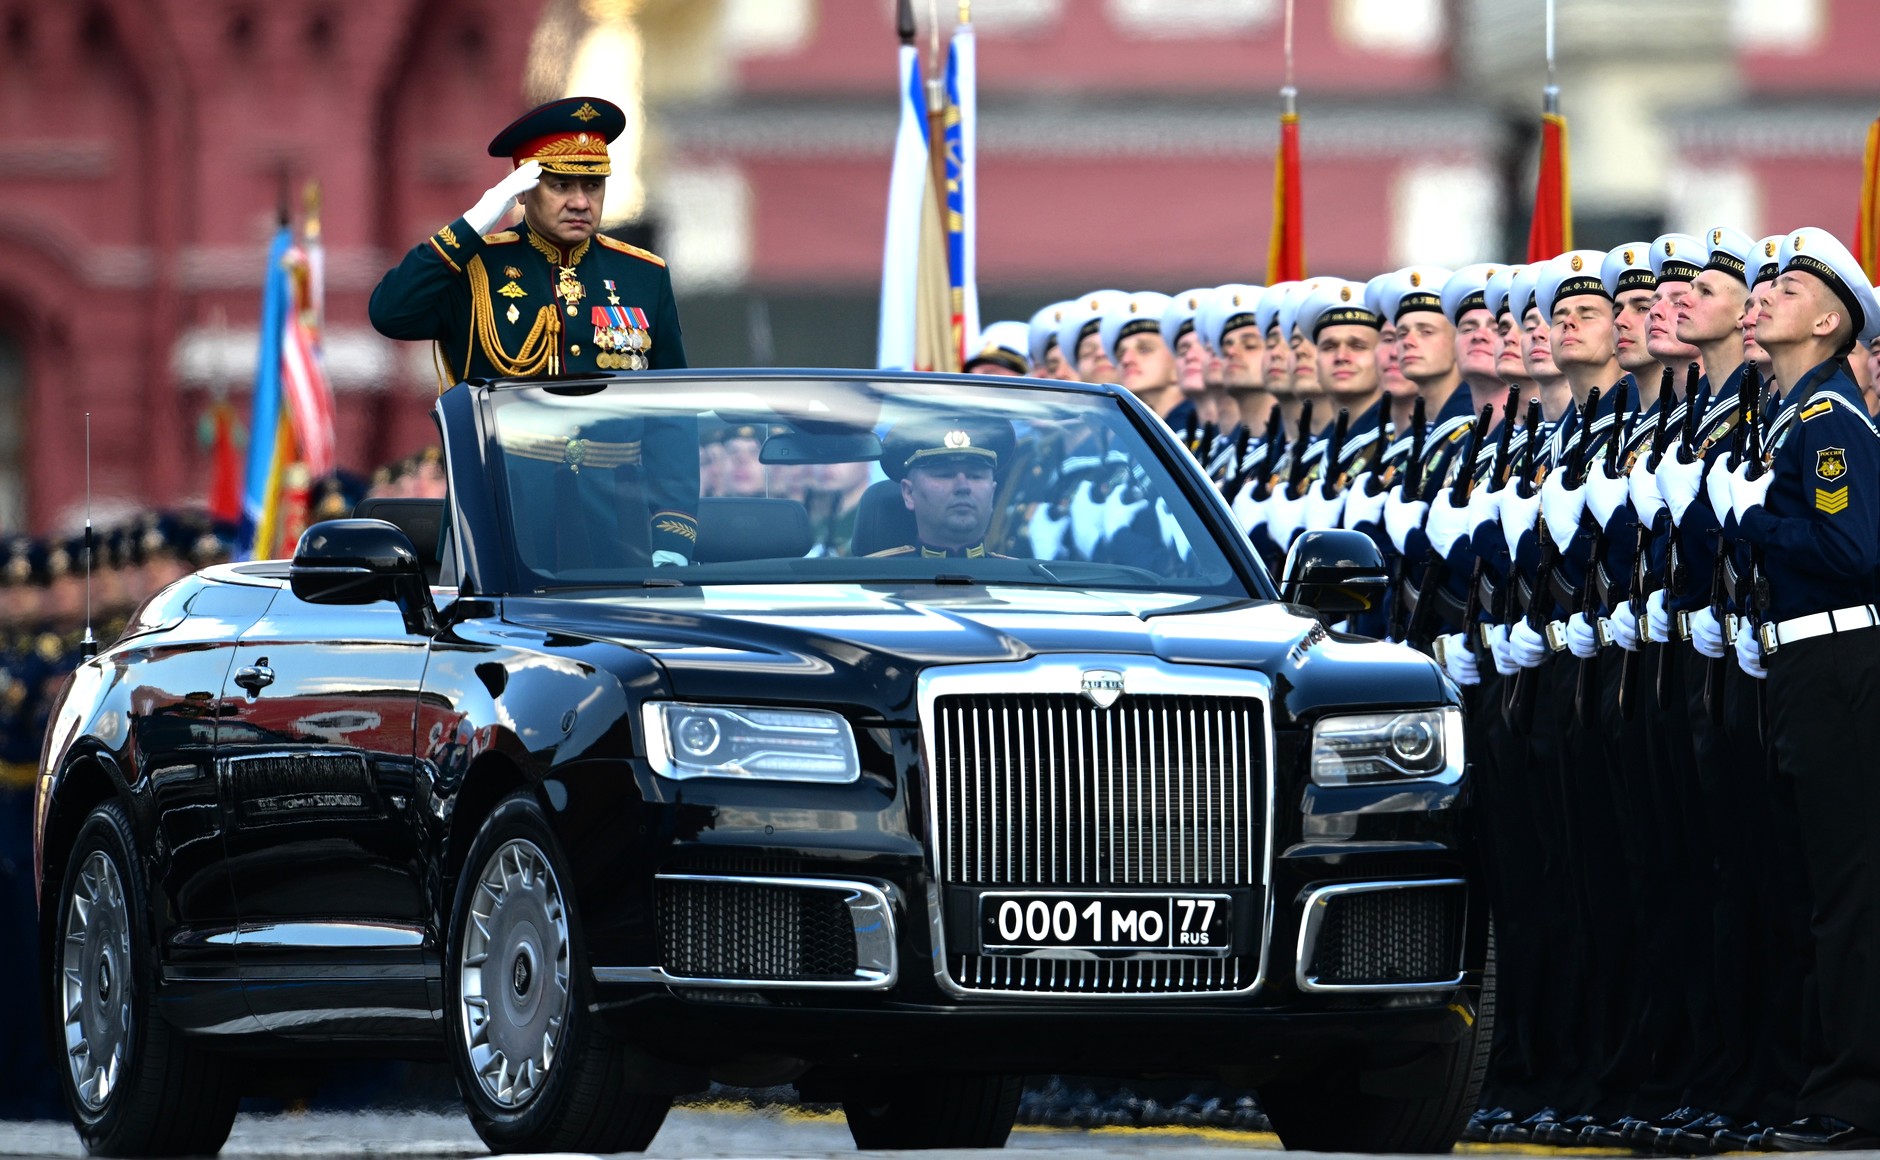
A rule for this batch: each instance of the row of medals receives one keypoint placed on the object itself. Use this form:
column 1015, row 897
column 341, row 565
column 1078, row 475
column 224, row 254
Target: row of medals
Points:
column 623, row 348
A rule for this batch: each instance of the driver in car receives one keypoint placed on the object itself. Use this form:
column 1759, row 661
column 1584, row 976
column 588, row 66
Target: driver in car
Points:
column 948, row 472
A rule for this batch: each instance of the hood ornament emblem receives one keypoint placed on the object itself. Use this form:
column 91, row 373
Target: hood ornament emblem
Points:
column 1102, row 686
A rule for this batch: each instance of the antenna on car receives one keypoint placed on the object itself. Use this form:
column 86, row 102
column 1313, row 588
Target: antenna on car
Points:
column 88, row 648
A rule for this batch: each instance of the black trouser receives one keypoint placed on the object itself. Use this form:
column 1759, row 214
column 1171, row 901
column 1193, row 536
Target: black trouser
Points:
column 1824, row 696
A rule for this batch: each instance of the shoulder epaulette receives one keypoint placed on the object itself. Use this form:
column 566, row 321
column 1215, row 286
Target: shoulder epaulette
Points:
column 617, row 244
column 1816, row 409
column 501, row 236
column 903, row 550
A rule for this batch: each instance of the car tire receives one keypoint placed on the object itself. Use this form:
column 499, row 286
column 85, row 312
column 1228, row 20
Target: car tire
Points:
column 934, row 1110
column 537, row 1072
column 1328, row 1112
column 134, row 1084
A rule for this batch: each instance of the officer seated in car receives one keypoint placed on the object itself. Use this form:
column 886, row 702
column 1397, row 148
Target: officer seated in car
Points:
column 948, row 473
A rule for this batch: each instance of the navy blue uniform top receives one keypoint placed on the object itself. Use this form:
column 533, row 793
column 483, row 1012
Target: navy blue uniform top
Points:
column 1819, row 526
column 1697, row 532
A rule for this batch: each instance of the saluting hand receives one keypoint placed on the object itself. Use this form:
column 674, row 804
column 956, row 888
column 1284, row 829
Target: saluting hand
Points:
column 496, row 200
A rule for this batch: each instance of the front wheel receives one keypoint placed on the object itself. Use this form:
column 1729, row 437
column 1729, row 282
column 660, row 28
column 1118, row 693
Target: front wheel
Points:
column 933, row 1110
column 135, row 1085
column 537, row 1073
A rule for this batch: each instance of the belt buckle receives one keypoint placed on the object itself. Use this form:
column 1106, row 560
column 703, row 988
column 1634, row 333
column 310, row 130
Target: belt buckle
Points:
column 1684, row 625
column 1731, row 624
column 1603, row 629
column 1556, row 634
column 1766, row 633
column 1439, row 651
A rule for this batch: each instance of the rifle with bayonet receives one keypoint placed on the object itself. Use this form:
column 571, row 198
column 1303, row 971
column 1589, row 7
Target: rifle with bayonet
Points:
column 1412, row 488
column 1642, row 540
column 1750, row 400
column 1334, row 451
column 1296, row 478
column 1757, row 603
column 1672, row 582
column 1436, row 570
column 1586, row 680
column 1273, row 440
column 1498, row 477
column 1520, row 705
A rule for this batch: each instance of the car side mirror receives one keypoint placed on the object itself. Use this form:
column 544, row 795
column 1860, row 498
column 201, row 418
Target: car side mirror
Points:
column 358, row 562
column 1335, row 572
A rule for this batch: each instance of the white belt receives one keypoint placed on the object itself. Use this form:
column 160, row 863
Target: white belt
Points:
column 1849, row 619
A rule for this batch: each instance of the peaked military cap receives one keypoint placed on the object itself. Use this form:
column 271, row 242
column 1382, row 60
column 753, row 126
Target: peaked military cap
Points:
column 1731, row 252
column 1628, row 267
column 1004, row 344
column 1266, row 314
column 1082, row 318
column 1500, row 288
column 1183, row 313
column 1818, row 252
column 1570, row 275
column 1044, row 331
column 1467, row 289
column 1522, row 289
column 567, row 136
column 1288, row 317
column 1767, row 266
column 1339, row 303
column 936, row 441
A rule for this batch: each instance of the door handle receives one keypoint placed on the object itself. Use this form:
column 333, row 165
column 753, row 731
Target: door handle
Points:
column 255, row 678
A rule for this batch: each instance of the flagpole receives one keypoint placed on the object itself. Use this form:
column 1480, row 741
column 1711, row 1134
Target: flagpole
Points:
column 1550, row 96
column 1285, row 257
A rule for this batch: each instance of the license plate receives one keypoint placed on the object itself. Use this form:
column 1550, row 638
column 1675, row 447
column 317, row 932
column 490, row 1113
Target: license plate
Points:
column 1054, row 921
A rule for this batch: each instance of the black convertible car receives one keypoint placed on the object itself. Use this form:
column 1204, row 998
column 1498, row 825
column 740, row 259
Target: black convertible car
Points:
column 604, row 791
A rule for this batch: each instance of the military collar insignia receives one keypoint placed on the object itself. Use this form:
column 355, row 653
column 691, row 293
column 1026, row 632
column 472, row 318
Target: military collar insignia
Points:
column 554, row 253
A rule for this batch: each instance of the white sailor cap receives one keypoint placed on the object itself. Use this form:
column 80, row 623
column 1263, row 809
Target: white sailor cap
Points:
column 1184, row 313
column 1495, row 295
column 1731, row 252
column 1266, row 314
column 1295, row 298
column 1132, row 314
column 1573, row 273
column 1044, row 330
column 1411, row 289
column 1768, row 265
column 1081, row 319
column 1821, row 253
column 1467, row 289
column 1628, row 267
column 1337, row 303
column 1227, row 309
column 1521, row 290
column 1374, row 295
column 1678, row 257
column 1004, row 343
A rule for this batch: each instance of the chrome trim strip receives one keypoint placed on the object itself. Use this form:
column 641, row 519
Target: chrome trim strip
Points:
column 1063, row 674
column 1314, row 918
column 870, row 909
column 320, row 935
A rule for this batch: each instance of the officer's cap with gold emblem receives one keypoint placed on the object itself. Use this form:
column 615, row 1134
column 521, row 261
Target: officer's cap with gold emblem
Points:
column 1139, row 313
column 1082, row 318
column 1227, row 309
column 946, row 442
column 1571, row 275
column 567, row 136
column 1678, row 257
column 1766, row 260
column 1731, row 252
column 1182, row 315
column 1340, row 303
column 1467, row 289
column 1266, row 314
column 1044, row 331
column 1500, row 289
column 1815, row 251
column 1628, row 267
column 1003, row 344
column 1411, row 289
column 1289, row 306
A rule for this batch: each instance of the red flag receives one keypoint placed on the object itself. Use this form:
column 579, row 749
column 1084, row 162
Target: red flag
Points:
column 1286, row 255
column 226, row 466
column 1867, row 226
column 1551, row 231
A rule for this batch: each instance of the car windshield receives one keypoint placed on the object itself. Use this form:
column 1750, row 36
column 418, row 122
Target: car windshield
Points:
column 644, row 482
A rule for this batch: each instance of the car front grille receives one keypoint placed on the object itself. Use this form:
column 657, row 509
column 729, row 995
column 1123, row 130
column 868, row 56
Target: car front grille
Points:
column 1168, row 975
column 1389, row 937
column 740, row 930
column 1049, row 790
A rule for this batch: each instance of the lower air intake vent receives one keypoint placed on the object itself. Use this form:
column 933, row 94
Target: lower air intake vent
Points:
column 738, row 930
column 1394, row 937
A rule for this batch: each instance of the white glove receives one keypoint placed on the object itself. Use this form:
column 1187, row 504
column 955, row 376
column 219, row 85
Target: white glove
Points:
column 1484, row 506
column 1459, row 662
column 1446, row 525
column 1517, row 515
column 1401, row 517
column 1322, row 510
column 1749, row 655
column 1582, row 637
column 1047, row 534
column 1624, row 626
column 665, row 559
column 1562, row 506
column 1086, row 520
column 1526, row 647
column 1172, row 535
column 1679, row 483
column 1707, row 634
column 1746, row 493
column 1249, row 512
column 1498, row 649
column 496, row 201
column 1642, row 486
column 1360, row 506
column 1657, row 620
column 1604, row 493
column 1118, row 515
column 1717, row 490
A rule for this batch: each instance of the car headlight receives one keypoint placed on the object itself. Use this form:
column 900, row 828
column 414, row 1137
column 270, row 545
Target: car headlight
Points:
column 744, row 741
column 1360, row 748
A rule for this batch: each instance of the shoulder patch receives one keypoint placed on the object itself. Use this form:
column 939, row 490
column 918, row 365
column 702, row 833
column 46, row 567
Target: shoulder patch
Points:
column 624, row 248
column 501, row 236
column 1817, row 409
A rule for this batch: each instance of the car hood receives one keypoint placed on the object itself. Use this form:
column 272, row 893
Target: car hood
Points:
column 864, row 646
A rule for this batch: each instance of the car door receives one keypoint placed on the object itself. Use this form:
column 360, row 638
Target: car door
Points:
column 317, row 766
